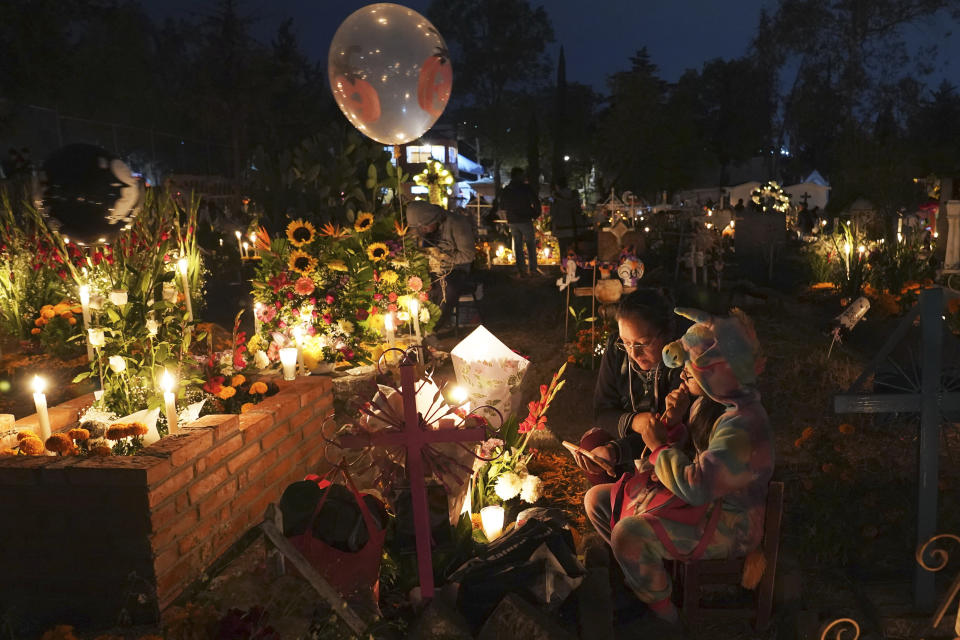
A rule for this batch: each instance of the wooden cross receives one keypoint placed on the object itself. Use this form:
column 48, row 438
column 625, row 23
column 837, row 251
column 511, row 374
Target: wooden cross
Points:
column 416, row 435
column 932, row 401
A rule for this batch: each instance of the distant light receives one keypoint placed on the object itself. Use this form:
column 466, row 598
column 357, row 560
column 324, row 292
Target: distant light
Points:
column 566, row 158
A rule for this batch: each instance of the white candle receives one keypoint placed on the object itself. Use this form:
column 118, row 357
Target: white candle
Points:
column 492, row 520
column 246, row 250
column 288, row 358
column 253, row 243
column 85, row 305
column 40, row 401
column 256, row 316
column 168, row 384
column 414, row 306
column 182, row 266
column 239, row 243
column 298, row 337
column 389, row 325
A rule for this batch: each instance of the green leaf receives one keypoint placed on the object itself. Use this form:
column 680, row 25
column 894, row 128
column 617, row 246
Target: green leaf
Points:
column 82, row 376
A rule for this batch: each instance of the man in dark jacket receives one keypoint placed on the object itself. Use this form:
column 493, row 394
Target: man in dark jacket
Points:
column 519, row 201
column 565, row 216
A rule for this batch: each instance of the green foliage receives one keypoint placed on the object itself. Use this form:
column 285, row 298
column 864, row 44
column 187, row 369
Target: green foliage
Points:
column 896, row 264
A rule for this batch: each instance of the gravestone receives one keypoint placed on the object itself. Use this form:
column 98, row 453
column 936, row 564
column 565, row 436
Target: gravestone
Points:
column 758, row 237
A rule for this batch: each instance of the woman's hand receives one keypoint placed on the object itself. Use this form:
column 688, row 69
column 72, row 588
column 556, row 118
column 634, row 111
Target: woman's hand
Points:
column 606, row 452
column 677, row 404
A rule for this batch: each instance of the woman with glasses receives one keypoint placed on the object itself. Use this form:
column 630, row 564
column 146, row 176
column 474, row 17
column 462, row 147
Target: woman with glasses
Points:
column 633, row 383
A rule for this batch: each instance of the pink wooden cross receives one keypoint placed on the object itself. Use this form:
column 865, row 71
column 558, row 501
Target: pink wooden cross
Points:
column 415, row 436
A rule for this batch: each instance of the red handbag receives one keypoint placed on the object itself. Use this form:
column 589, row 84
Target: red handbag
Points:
column 348, row 572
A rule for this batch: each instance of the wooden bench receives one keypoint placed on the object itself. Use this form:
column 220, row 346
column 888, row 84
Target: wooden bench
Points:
column 704, row 573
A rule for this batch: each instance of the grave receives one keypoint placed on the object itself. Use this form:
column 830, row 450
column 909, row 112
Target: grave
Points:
column 90, row 540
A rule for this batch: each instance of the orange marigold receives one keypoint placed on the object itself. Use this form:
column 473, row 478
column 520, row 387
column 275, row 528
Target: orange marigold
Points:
column 798, row 443
column 237, row 380
column 137, row 429
column 36, row 331
column 8, row 452
column 246, row 406
column 59, row 443
column 25, row 434
column 846, row 428
column 79, row 434
column 101, row 450
column 807, row 433
column 32, row 446
column 476, row 521
column 48, row 314
column 258, row 388
column 117, row 432
column 226, row 393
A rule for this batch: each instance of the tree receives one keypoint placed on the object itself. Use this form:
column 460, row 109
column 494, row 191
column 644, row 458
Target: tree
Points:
column 559, row 121
column 497, row 47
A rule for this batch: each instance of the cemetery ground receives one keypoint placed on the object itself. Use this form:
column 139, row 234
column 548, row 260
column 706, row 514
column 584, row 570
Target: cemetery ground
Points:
column 847, row 544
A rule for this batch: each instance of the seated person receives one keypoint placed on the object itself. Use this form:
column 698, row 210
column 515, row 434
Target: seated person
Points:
column 725, row 484
column 633, row 382
column 450, row 245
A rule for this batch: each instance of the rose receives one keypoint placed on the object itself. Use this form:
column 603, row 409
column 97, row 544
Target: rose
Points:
column 117, row 364
column 329, row 299
column 96, row 337
column 152, row 326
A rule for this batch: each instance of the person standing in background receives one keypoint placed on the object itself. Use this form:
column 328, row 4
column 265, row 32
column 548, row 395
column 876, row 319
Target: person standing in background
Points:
column 522, row 207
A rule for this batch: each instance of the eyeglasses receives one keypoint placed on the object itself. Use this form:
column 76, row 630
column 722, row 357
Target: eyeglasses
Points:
column 634, row 349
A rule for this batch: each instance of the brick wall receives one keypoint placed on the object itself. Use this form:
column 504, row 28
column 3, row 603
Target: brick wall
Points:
column 82, row 538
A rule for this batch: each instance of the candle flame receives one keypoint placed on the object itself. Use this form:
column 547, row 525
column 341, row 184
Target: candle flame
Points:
column 38, row 384
column 458, row 394
column 167, row 382
column 84, row 294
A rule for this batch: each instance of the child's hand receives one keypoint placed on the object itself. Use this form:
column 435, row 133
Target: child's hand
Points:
column 677, row 403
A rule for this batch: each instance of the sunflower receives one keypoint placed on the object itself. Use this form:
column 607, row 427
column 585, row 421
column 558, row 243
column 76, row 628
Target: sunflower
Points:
column 301, row 233
column 301, row 262
column 363, row 223
column 334, row 231
column 377, row 251
column 337, row 265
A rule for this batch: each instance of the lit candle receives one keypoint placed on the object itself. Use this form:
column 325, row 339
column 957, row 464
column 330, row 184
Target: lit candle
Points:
column 253, row 243
column 40, row 401
column 246, row 250
column 298, row 337
column 85, row 305
column 414, row 306
column 389, row 325
column 288, row 358
column 239, row 243
column 182, row 266
column 459, row 397
column 168, row 384
column 256, row 316
column 492, row 520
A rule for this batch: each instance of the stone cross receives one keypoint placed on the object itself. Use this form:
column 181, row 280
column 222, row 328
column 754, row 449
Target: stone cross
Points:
column 931, row 403
column 415, row 436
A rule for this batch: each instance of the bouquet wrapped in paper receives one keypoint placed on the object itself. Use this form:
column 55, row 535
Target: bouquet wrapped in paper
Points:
column 489, row 370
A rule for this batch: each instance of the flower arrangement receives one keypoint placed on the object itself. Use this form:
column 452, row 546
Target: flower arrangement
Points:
column 437, row 179
column 770, row 196
column 507, row 477
column 333, row 285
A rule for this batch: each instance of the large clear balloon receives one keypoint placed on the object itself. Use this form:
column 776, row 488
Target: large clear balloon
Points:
column 88, row 192
column 390, row 72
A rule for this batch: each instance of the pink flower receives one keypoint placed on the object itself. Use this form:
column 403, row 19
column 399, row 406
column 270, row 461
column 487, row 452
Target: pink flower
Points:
column 290, row 295
column 415, row 283
column 374, row 310
column 304, row 286
column 267, row 314
column 392, row 297
column 328, row 318
column 424, row 296
column 329, row 299
column 378, row 297
column 391, row 307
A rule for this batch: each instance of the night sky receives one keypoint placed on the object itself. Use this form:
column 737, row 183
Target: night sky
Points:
column 598, row 36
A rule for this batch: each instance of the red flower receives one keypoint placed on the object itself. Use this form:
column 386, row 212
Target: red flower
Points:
column 62, row 274
column 362, row 314
column 329, row 299
column 378, row 297
column 424, row 296
column 327, row 318
column 213, row 385
column 392, row 297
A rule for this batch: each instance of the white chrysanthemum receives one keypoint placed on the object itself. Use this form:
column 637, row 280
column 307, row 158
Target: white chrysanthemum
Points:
column 261, row 360
column 508, row 486
column 346, row 327
column 532, row 489
column 424, row 315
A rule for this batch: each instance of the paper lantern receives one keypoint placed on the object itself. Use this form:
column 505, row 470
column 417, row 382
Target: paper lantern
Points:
column 489, row 370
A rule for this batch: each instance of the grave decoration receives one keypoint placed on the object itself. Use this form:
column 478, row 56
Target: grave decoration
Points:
column 770, row 196
column 350, row 291
column 437, row 179
column 128, row 300
column 489, row 370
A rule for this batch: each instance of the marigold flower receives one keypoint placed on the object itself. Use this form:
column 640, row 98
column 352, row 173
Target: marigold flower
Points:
column 377, row 251
column 66, row 315
column 71, row 320
column 237, row 380
column 32, row 446
column 36, row 330
column 258, row 388
column 301, row 233
column 101, row 450
column 246, row 406
column 48, row 313
column 213, row 385
column 59, row 443
column 79, row 434
column 23, row 435
column 364, row 222
column 40, row 322
column 8, row 452
column 807, row 433
column 476, row 521
column 137, row 429
column 226, row 393
column 117, row 432
column 846, row 428
column 798, row 443
column 301, row 262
